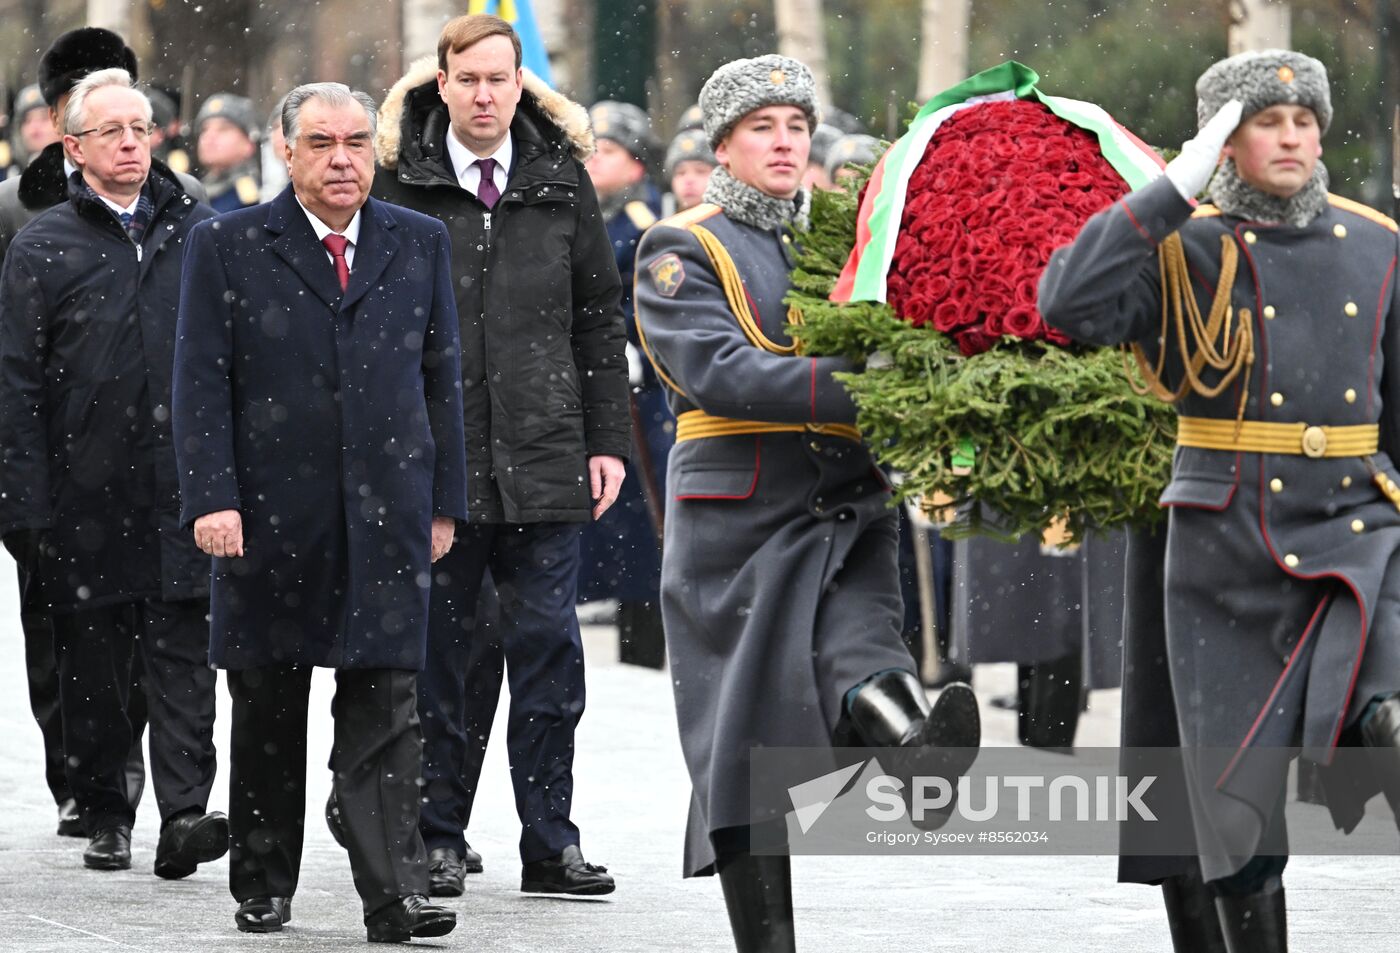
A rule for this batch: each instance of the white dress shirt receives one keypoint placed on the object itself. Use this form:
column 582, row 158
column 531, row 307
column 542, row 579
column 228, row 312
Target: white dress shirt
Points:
column 469, row 173
column 351, row 233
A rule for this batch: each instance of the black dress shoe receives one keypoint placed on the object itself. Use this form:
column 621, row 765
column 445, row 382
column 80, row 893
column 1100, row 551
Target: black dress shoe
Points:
column 109, row 849
column 334, row 821
column 70, row 822
column 408, row 917
column 189, row 840
column 445, row 873
column 568, row 874
column 263, row 914
column 471, row 861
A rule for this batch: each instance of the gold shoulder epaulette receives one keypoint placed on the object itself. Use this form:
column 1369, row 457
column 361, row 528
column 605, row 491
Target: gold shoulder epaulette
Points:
column 1365, row 211
column 1205, row 210
column 248, row 191
column 178, row 160
column 5, row 154
column 691, row 216
column 639, row 215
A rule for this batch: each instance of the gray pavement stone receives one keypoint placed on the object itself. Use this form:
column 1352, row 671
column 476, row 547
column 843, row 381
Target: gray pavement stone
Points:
column 631, row 797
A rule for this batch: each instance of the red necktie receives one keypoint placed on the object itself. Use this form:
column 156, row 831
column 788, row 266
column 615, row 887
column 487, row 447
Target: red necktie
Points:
column 336, row 245
column 487, row 191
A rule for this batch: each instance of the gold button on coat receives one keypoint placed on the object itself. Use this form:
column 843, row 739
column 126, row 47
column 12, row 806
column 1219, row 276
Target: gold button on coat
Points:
column 1357, row 526
column 1269, row 311
column 1276, row 485
column 1290, row 560
column 1351, row 309
column 1350, row 396
column 1339, row 230
column 1346, row 482
column 1276, row 399
column 1250, row 238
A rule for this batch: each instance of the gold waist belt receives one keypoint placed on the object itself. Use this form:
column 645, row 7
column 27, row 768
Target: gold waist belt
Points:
column 1259, row 436
column 696, row 424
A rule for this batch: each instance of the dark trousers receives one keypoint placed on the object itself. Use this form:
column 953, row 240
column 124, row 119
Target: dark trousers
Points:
column 535, row 570
column 96, row 651
column 375, row 760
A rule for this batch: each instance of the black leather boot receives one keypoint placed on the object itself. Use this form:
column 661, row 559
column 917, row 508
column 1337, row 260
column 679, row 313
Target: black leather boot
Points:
column 758, row 896
column 1254, row 923
column 1191, row 914
column 1048, row 702
column 892, row 711
column 1381, row 729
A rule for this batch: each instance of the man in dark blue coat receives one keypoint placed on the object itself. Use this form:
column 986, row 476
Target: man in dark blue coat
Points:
column 318, row 418
column 88, row 489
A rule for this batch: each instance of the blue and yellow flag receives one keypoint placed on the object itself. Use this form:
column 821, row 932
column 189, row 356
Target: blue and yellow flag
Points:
column 519, row 15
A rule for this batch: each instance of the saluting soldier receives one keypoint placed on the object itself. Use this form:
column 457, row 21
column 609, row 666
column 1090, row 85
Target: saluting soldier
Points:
column 779, row 584
column 1280, row 595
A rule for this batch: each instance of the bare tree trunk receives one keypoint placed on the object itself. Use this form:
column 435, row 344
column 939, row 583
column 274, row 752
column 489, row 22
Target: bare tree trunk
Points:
column 577, row 63
column 801, row 29
column 674, row 90
column 422, row 22
column 943, row 53
column 114, row 15
column 1259, row 25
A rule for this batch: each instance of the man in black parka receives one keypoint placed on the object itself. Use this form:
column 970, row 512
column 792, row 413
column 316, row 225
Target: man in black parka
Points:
column 497, row 156
column 89, row 496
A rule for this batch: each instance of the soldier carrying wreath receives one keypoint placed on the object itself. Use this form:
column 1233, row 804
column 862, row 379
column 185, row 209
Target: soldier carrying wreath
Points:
column 1269, row 317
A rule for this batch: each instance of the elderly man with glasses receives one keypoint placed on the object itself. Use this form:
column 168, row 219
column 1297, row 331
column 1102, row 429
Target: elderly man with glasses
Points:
column 89, row 496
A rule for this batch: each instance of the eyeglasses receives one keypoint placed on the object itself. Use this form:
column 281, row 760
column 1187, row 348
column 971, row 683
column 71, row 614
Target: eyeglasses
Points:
column 113, row 131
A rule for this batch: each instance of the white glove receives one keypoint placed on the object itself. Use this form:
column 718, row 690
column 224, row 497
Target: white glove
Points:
column 634, row 366
column 1191, row 171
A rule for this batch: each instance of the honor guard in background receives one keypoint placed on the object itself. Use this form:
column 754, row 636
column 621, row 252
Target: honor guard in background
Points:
column 689, row 162
column 780, row 587
column 167, row 144
column 853, row 149
column 1281, row 577
column 823, row 138
column 226, row 135
column 692, row 118
column 621, row 553
column 31, row 130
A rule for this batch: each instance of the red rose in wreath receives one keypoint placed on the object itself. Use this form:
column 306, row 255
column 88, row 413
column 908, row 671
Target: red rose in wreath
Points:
column 1000, row 186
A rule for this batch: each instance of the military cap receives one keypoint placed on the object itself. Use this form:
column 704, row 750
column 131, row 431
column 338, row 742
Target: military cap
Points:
column 692, row 118
column 77, row 53
column 624, row 124
column 689, row 145
column 29, row 98
column 163, row 111
column 1264, row 78
column 824, row 137
column 851, row 150
column 238, row 110
column 739, row 87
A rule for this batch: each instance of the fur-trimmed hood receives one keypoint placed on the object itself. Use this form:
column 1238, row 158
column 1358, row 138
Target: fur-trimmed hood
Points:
column 567, row 119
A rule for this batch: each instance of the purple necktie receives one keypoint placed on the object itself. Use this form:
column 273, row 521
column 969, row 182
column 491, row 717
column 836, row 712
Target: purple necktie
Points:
column 487, row 191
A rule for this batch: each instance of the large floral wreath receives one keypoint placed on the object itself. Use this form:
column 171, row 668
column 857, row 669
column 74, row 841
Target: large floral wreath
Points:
column 937, row 266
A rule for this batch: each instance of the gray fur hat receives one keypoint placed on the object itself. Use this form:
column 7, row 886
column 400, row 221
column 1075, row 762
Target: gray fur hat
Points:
column 739, row 87
column 692, row 118
column 1264, row 78
column 855, row 149
column 824, row 137
column 28, row 99
column 625, row 124
column 689, row 145
column 238, row 110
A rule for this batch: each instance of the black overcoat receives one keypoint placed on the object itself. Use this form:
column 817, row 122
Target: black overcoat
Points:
column 87, row 330
column 332, row 422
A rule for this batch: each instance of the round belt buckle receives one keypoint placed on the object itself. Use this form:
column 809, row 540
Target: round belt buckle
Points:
column 1314, row 442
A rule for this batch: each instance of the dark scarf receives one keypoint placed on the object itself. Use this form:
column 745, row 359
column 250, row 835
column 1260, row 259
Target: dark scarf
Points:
column 744, row 203
column 1233, row 196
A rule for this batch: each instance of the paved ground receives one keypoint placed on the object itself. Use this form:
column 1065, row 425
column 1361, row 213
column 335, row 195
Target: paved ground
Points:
column 631, row 794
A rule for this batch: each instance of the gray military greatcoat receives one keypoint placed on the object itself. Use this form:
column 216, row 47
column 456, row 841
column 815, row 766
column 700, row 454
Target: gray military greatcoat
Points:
column 1281, row 603
column 779, row 581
